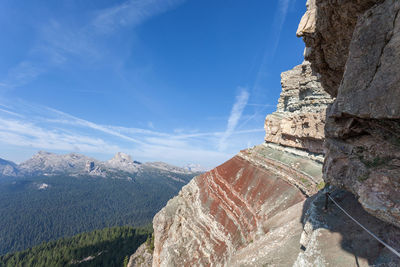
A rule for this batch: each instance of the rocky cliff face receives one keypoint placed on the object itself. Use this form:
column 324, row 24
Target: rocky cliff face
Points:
column 143, row 257
column 355, row 46
column 262, row 208
column 300, row 117
column 247, row 211
column 222, row 211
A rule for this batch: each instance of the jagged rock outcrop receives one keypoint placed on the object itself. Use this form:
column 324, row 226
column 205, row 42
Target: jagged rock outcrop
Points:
column 300, row 117
column 253, row 210
column 261, row 208
column 93, row 169
column 224, row 210
column 46, row 163
column 143, row 257
column 247, row 211
column 327, row 28
column 74, row 164
column 124, row 162
column 355, row 46
column 8, row 168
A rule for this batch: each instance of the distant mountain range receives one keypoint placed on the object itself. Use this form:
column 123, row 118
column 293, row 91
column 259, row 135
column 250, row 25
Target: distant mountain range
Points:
column 74, row 164
column 51, row 196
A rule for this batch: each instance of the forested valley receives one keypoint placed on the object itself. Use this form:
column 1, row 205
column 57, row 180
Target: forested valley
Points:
column 32, row 213
column 106, row 247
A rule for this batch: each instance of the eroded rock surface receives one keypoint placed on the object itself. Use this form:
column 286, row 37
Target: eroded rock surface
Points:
column 330, row 238
column 262, row 207
column 224, row 210
column 327, row 29
column 355, row 46
column 300, row 117
column 143, row 257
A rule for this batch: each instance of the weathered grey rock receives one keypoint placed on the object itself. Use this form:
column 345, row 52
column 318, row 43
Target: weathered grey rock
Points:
column 300, row 117
column 143, row 257
column 45, row 163
column 8, row 168
column 302, row 91
column 355, row 46
column 120, row 166
column 327, row 29
column 330, row 238
column 123, row 162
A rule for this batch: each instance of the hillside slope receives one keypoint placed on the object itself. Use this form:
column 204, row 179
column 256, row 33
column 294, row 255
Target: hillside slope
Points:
column 53, row 196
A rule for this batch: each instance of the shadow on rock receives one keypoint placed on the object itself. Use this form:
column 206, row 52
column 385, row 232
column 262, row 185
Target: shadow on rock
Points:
column 330, row 237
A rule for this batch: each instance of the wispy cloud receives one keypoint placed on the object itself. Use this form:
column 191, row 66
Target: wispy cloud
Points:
column 279, row 20
column 131, row 13
column 24, row 72
column 39, row 127
column 60, row 41
column 72, row 120
column 236, row 114
column 259, row 88
column 27, row 134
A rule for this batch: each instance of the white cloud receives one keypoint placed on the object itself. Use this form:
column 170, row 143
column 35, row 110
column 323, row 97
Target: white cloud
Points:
column 22, row 73
column 236, row 114
column 30, row 135
column 38, row 127
column 279, row 20
column 131, row 13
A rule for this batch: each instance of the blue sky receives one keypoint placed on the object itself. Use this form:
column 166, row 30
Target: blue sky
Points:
column 163, row 80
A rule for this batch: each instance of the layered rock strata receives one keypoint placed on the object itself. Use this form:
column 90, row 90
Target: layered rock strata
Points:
column 254, row 201
column 300, row 117
column 261, row 208
column 224, row 210
column 253, row 210
column 355, row 46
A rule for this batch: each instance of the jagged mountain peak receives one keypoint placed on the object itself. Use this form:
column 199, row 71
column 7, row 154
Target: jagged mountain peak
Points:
column 124, row 162
column 8, row 168
column 43, row 154
column 192, row 167
column 121, row 157
column 51, row 163
column 48, row 163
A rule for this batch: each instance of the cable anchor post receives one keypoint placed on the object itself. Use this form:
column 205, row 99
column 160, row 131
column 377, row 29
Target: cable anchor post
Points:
column 327, row 194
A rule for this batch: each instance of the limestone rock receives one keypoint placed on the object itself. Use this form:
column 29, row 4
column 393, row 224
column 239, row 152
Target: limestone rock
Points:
column 143, row 257
column 355, row 46
column 46, row 163
column 327, row 28
column 123, row 162
column 74, row 164
column 8, row 168
column 250, row 212
column 221, row 212
column 300, row 117
column 330, row 238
